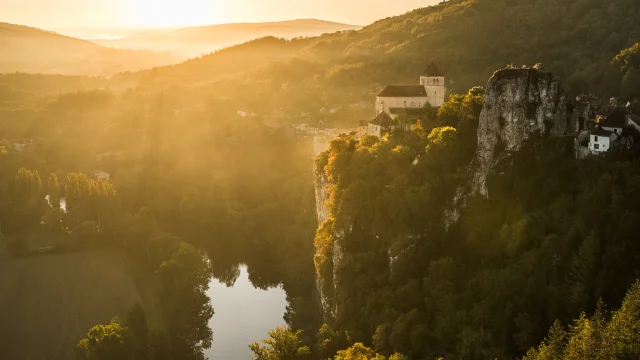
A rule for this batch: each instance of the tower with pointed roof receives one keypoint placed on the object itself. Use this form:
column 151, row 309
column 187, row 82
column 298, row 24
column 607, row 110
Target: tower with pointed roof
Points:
column 433, row 81
column 398, row 98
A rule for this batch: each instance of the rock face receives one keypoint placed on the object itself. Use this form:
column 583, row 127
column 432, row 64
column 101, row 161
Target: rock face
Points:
column 321, row 185
column 518, row 103
column 327, row 295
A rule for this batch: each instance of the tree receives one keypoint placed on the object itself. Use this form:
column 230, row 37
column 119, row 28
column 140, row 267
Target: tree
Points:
column 184, row 279
column 139, row 332
column 54, row 191
column 105, row 342
column 596, row 337
column 282, row 344
column 358, row 352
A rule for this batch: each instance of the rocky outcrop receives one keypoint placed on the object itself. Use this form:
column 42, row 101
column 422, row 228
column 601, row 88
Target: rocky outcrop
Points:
column 321, row 184
column 330, row 248
column 518, row 103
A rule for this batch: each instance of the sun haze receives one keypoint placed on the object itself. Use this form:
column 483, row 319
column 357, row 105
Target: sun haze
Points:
column 145, row 13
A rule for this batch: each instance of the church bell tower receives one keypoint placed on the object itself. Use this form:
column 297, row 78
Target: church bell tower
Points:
column 433, row 81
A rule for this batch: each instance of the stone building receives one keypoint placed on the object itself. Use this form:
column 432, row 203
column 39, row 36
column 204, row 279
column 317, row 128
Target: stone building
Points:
column 382, row 124
column 431, row 91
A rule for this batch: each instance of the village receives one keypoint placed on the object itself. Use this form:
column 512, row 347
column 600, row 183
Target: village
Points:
column 598, row 129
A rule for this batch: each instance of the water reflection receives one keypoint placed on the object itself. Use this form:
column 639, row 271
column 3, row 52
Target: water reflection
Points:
column 243, row 313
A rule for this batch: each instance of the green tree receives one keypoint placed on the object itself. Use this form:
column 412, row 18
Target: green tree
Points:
column 105, row 342
column 358, row 352
column 282, row 344
column 53, row 189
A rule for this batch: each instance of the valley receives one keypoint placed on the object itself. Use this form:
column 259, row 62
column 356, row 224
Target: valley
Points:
column 457, row 182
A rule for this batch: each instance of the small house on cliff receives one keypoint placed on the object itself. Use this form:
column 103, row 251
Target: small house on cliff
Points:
column 382, row 124
column 601, row 140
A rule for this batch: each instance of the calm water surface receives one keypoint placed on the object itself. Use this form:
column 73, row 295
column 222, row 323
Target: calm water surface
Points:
column 243, row 315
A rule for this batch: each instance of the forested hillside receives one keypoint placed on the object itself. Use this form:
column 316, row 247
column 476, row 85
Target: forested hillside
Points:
column 195, row 41
column 469, row 39
column 555, row 236
column 189, row 177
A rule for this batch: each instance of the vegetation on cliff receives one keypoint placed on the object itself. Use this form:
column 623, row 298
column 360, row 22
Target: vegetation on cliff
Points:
column 555, row 236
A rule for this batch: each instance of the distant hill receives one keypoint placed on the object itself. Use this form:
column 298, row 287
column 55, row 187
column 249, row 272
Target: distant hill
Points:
column 195, row 41
column 27, row 49
column 468, row 39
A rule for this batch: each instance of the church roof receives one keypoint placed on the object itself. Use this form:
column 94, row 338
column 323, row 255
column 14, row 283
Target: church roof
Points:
column 432, row 70
column 383, row 120
column 404, row 91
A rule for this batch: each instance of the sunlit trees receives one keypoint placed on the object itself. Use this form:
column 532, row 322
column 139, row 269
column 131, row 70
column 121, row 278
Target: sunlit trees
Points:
column 629, row 62
column 598, row 337
column 53, row 189
column 27, row 187
column 105, row 342
column 91, row 200
column 282, row 344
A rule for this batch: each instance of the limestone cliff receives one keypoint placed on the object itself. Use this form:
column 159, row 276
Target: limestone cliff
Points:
column 518, row 103
column 327, row 281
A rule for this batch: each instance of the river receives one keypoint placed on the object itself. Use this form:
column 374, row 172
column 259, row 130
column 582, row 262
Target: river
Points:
column 243, row 315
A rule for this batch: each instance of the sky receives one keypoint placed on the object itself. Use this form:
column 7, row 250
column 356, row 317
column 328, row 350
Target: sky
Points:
column 55, row 14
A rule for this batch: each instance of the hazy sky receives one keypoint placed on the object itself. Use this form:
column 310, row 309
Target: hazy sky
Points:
column 135, row 13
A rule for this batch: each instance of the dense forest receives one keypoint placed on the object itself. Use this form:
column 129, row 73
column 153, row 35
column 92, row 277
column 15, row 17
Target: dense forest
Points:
column 544, row 268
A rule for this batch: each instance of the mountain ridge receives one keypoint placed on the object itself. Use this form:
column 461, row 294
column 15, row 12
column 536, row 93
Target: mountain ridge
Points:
column 196, row 40
column 30, row 49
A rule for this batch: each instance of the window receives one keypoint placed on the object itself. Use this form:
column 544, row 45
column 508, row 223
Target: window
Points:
column 615, row 131
column 595, row 139
column 596, row 146
column 405, row 104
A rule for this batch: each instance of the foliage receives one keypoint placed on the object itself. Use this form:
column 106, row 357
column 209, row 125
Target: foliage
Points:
column 105, row 342
column 282, row 344
column 555, row 235
column 596, row 337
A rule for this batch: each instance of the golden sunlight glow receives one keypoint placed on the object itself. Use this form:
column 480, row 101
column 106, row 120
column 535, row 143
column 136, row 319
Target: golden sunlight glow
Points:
column 182, row 12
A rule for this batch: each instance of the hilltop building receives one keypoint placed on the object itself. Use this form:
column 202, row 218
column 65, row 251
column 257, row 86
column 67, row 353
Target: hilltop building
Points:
column 613, row 125
column 431, row 91
column 382, row 124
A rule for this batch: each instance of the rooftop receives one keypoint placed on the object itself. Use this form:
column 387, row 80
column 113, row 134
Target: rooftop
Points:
column 383, row 120
column 617, row 118
column 404, row 91
column 432, row 70
column 598, row 131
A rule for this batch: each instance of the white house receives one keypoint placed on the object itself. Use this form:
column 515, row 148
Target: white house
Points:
column 382, row 124
column 363, row 128
column 300, row 127
column 601, row 140
column 101, row 175
column 431, row 91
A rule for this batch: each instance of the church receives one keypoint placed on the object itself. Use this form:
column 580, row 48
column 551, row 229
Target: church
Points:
column 395, row 100
column 430, row 91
